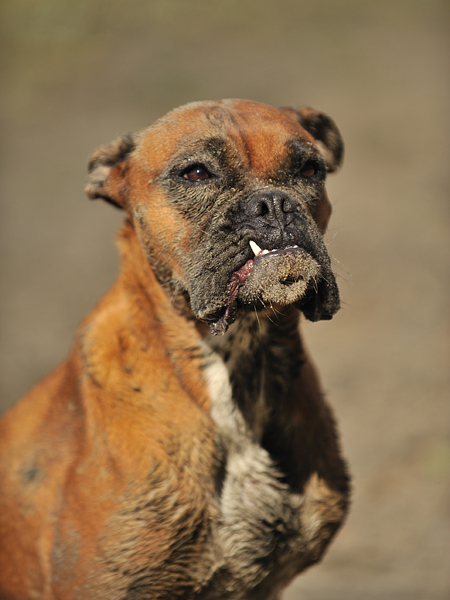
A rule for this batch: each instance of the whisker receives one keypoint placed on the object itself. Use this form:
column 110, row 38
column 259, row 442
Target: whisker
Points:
column 257, row 317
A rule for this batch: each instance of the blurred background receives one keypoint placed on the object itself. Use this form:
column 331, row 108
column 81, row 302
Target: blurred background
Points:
column 76, row 74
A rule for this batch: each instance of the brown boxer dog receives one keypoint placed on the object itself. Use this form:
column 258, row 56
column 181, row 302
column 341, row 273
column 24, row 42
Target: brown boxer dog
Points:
column 160, row 461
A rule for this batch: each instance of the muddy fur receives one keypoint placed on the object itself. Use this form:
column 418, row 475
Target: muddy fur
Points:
column 160, row 461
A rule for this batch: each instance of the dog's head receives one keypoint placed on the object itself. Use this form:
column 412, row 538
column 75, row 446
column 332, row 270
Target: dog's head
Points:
column 228, row 201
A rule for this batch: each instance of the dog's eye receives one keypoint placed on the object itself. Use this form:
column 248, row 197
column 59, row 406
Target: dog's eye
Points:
column 196, row 173
column 308, row 170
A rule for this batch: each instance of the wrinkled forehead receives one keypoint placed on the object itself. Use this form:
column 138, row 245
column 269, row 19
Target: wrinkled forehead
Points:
column 255, row 130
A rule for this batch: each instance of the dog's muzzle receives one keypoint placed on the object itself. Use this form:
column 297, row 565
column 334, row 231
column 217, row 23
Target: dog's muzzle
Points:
column 290, row 263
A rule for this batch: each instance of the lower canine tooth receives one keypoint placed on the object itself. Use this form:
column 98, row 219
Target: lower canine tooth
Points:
column 254, row 246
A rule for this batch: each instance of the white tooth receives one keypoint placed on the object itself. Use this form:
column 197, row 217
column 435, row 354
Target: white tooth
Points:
column 265, row 251
column 254, row 246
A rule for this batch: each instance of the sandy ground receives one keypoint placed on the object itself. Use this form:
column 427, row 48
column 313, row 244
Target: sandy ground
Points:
column 77, row 74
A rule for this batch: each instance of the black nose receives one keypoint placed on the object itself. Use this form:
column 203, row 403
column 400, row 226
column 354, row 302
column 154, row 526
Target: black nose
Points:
column 274, row 207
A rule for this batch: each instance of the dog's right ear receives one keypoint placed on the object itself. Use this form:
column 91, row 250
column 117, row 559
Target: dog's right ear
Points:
column 323, row 129
column 107, row 167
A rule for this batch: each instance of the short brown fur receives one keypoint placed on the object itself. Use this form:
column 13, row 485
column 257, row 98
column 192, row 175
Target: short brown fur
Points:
column 114, row 470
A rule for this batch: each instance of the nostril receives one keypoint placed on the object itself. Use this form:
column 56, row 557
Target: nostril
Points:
column 264, row 209
column 270, row 206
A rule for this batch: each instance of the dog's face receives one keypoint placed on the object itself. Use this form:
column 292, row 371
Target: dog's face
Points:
column 228, row 202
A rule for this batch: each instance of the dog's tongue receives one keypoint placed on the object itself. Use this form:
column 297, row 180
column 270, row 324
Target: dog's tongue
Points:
column 237, row 279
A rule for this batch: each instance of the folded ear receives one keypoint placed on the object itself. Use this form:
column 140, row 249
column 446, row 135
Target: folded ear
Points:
column 324, row 131
column 107, row 168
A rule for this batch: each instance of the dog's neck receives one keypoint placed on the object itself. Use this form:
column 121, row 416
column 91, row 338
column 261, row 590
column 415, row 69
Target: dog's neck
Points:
column 262, row 350
column 151, row 274
column 262, row 354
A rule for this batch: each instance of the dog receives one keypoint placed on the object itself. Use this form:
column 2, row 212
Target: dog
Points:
column 184, row 449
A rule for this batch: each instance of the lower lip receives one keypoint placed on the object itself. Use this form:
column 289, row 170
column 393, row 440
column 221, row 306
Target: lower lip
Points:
column 277, row 251
column 240, row 276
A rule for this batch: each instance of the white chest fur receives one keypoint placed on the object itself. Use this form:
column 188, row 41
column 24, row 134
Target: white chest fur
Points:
column 266, row 532
column 260, row 521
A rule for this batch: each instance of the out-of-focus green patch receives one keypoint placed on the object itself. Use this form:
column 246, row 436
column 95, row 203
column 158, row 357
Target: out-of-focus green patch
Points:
column 435, row 460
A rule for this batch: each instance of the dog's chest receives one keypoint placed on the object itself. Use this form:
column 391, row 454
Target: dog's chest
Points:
column 258, row 537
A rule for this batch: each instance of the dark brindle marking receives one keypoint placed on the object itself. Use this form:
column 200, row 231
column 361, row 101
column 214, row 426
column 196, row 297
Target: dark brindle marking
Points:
column 160, row 461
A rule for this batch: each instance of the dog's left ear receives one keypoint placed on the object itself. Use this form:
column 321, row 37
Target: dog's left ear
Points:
column 324, row 131
column 107, row 168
